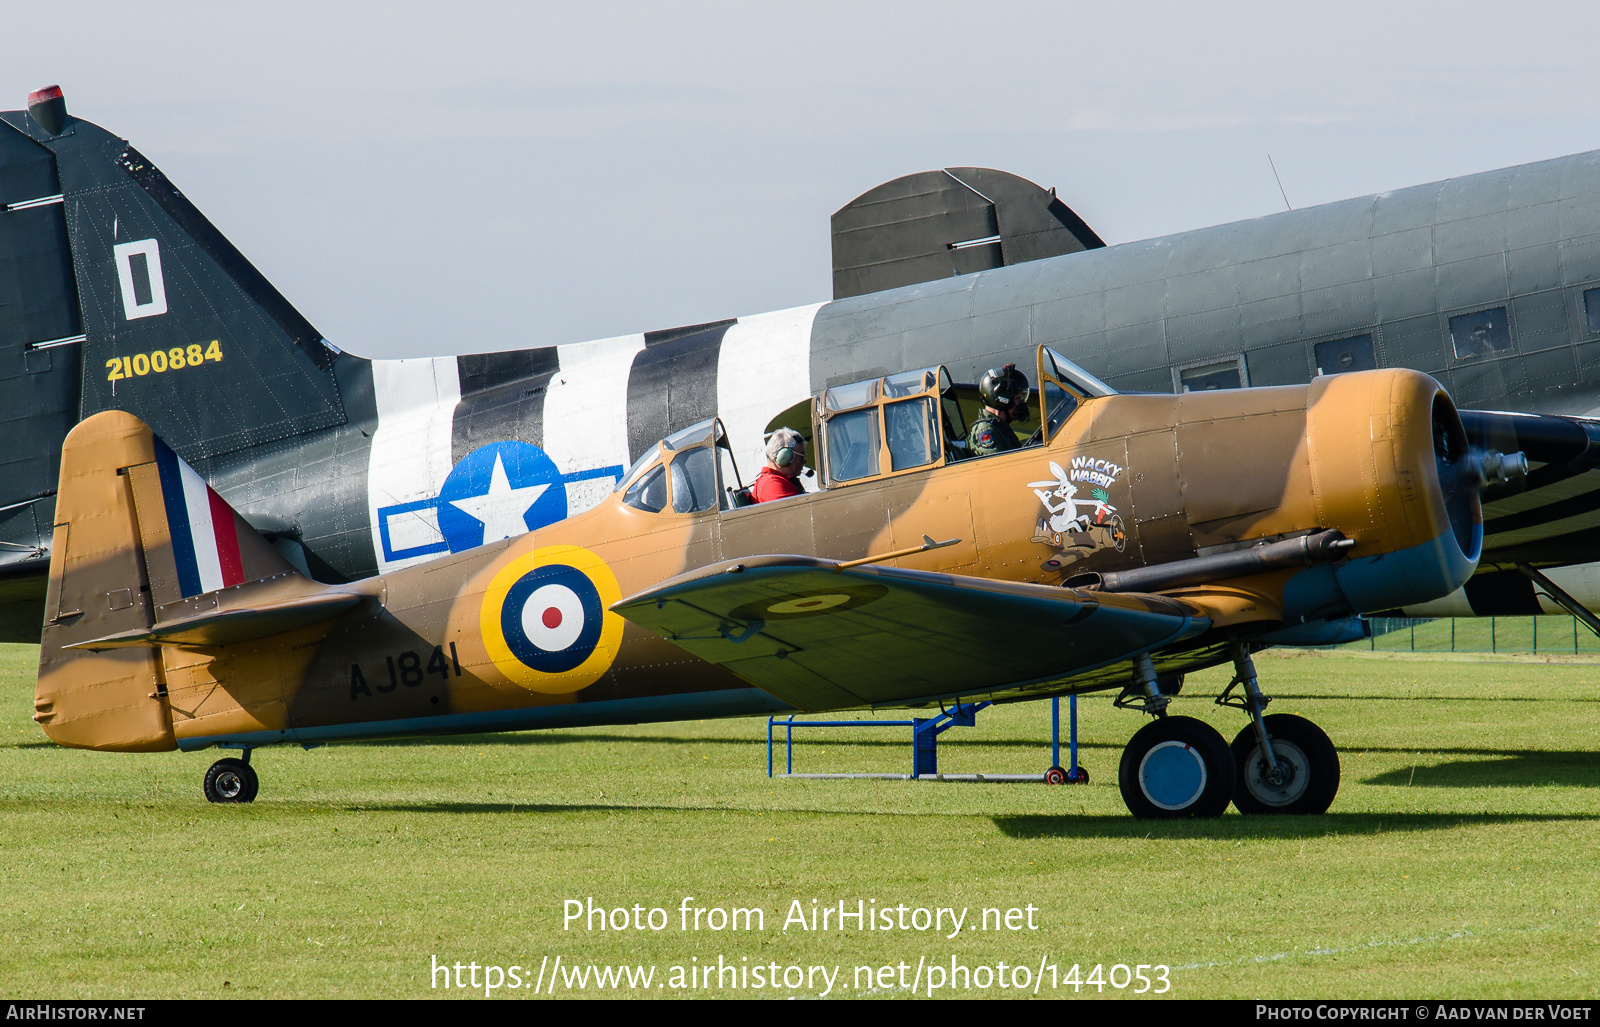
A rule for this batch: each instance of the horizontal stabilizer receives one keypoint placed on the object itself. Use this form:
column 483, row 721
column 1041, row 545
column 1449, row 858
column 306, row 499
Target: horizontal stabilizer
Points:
column 226, row 627
column 821, row 637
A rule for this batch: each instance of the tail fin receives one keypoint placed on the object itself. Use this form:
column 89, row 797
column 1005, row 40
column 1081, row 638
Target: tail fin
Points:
column 149, row 561
column 172, row 321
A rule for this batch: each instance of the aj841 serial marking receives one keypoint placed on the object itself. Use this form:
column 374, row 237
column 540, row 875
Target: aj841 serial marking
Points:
column 405, row 669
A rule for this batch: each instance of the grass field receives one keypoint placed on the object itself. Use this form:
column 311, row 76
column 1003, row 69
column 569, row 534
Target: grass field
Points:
column 1461, row 858
column 1560, row 636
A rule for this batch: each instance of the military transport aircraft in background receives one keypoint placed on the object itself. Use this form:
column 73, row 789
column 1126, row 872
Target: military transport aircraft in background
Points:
column 116, row 293
column 1219, row 522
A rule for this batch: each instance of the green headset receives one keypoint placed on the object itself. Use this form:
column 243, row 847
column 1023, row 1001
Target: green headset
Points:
column 786, row 455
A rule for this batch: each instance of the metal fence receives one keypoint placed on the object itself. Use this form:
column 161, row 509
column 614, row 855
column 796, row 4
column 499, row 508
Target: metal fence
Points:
column 1552, row 634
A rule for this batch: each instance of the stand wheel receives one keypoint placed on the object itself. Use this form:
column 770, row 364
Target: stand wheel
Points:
column 231, row 780
column 1308, row 777
column 1177, row 767
column 1055, row 776
column 1078, row 776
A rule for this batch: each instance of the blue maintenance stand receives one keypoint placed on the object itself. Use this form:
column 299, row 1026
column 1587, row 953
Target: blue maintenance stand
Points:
column 925, row 732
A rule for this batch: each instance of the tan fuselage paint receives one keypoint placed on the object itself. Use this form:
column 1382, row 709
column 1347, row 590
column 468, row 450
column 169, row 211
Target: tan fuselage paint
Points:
column 1179, row 473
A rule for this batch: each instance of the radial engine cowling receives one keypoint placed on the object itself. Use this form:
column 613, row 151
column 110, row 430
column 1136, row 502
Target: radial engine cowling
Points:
column 1390, row 467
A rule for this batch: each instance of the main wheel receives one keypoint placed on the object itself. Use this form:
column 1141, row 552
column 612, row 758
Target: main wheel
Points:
column 1177, row 767
column 231, row 780
column 1308, row 773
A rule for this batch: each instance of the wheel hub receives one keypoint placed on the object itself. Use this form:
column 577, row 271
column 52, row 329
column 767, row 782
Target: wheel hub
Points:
column 229, row 785
column 1172, row 775
column 1283, row 784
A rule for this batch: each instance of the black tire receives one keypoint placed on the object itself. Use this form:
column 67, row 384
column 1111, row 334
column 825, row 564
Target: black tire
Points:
column 1077, row 776
column 1313, row 765
column 231, row 780
column 1177, row 767
column 1055, row 776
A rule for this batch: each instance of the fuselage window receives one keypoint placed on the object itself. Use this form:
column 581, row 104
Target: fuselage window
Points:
column 853, row 444
column 1224, row 374
column 649, row 491
column 1482, row 333
column 1591, row 308
column 913, row 433
column 1341, row 355
column 694, row 481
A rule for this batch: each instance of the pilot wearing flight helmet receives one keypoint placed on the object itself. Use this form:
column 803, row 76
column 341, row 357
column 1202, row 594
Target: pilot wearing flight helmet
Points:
column 1005, row 394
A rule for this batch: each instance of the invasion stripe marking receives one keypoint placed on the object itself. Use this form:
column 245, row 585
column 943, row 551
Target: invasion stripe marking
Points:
column 1531, row 501
column 764, row 369
column 410, row 455
column 1544, row 516
column 502, row 398
column 586, row 414
column 672, row 383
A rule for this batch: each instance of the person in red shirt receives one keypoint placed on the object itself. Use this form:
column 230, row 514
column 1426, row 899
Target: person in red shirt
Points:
column 786, row 458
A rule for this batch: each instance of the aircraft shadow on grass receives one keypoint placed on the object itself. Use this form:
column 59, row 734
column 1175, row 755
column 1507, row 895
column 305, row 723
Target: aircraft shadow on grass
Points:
column 1413, row 698
column 1505, row 769
column 900, row 739
column 1326, row 825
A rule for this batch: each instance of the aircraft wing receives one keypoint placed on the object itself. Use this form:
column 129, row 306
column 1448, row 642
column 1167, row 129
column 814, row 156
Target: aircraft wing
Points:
column 1550, row 516
column 821, row 636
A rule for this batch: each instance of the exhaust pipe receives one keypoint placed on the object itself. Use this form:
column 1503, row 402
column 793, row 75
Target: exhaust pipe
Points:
column 1321, row 547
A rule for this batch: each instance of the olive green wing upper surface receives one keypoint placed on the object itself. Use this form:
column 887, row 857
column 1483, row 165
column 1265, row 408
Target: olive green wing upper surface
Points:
column 822, row 636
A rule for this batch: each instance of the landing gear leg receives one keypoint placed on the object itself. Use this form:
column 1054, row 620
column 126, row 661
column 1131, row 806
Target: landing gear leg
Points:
column 232, row 780
column 1174, row 766
column 1285, row 763
column 1144, row 692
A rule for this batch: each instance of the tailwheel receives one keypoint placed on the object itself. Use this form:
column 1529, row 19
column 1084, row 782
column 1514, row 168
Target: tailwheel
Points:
column 1177, row 767
column 1306, row 777
column 231, row 780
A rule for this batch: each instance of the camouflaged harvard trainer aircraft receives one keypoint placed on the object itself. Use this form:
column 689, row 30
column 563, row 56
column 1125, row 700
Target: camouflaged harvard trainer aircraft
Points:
column 116, row 293
column 1132, row 539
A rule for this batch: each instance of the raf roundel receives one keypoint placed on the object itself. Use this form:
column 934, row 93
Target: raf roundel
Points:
column 551, row 618
column 811, row 603
column 546, row 619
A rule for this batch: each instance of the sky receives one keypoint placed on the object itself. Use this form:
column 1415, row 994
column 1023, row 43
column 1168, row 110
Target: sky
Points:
column 425, row 179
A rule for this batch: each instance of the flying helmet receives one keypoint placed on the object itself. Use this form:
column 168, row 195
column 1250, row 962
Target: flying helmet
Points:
column 1002, row 388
